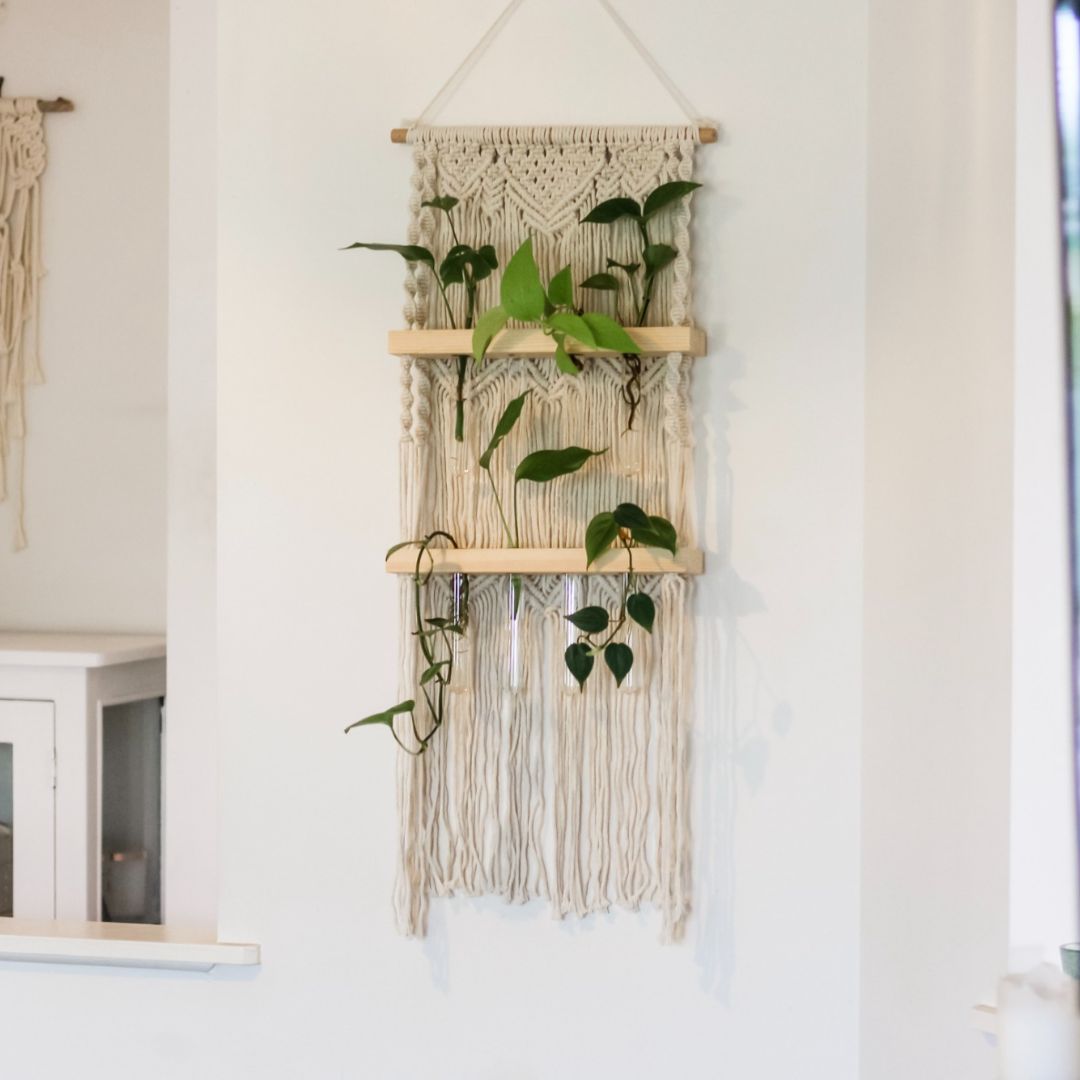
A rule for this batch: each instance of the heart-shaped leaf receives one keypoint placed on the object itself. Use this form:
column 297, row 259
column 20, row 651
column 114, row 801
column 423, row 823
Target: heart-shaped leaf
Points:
column 608, row 334
column 574, row 325
column 409, row 252
column 620, row 659
column 442, row 202
column 590, row 620
column 665, row 195
column 599, row 536
column 561, row 288
column 487, row 253
column 563, row 360
column 607, row 282
column 503, row 428
column 487, row 326
column 660, row 533
column 522, row 292
column 641, row 609
column 629, row 516
column 611, row 210
column 386, row 717
column 656, row 257
column 543, row 465
column 579, row 661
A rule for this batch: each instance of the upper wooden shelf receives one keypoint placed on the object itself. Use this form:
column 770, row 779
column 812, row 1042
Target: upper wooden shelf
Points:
column 546, row 561
column 653, row 340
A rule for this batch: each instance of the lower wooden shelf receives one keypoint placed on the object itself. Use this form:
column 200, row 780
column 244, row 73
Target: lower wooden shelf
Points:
column 546, row 561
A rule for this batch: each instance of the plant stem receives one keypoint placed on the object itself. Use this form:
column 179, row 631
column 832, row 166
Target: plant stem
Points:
column 511, row 541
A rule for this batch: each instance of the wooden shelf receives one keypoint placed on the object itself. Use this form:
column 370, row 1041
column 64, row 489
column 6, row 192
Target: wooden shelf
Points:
column 547, row 561
column 119, row 945
column 653, row 340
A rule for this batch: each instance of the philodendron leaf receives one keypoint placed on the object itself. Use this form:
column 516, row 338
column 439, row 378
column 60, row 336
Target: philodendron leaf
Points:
column 487, row 253
column 665, row 195
column 543, row 465
column 487, row 326
column 611, row 210
column 629, row 516
column 409, row 252
column 660, row 533
column 590, row 620
column 657, row 256
column 574, row 325
column 599, row 536
column 561, row 288
column 503, row 428
column 522, row 292
column 452, row 268
column 563, row 360
column 608, row 334
column 386, row 717
column 442, row 202
column 579, row 661
column 620, row 659
column 607, row 282
column 641, row 609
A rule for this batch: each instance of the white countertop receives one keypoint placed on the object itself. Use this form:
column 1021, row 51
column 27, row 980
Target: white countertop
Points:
column 22, row 649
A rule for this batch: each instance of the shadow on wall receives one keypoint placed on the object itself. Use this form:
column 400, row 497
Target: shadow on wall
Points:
column 741, row 714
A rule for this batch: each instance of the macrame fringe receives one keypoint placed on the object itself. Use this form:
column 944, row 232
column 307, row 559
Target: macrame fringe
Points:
column 547, row 792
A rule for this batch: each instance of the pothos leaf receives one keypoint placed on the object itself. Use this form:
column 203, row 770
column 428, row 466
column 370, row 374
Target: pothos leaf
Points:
column 640, row 608
column 660, row 533
column 608, row 334
column 503, row 428
column 579, row 661
column 607, row 282
column 409, row 252
column 386, row 717
column 563, row 360
column 665, row 195
column 620, row 659
column 575, row 325
column 561, row 288
column 590, row 620
column 522, row 292
column 543, row 465
column 611, row 210
column 599, row 536
column 487, row 326
column 657, row 256
column 442, row 202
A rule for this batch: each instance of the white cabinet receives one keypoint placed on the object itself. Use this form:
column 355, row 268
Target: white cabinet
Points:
column 69, row 713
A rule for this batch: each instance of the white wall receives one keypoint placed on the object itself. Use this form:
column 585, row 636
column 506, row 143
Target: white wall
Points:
column 95, row 474
column 767, row 984
column 935, row 765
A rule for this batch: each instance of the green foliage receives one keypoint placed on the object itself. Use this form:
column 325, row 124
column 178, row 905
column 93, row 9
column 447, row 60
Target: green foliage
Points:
column 503, row 428
column 631, row 526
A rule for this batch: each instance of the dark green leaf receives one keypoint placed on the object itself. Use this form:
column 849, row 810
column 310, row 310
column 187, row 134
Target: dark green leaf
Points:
column 630, row 268
column 386, row 717
column 665, row 195
column 503, row 428
column 601, row 281
column 487, row 326
column 579, row 660
column 564, row 361
column 627, row 516
column 432, row 671
column 660, row 533
column 656, row 257
column 611, row 210
column 561, row 289
column 544, row 465
column 574, row 325
column 487, row 253
column 641, row 609
column 599, row 536
column 522, row 292
column 608, row 334
column 590, row 620
column 442, row 202
column 620, row 659
column 409, row 252
column 452, row 268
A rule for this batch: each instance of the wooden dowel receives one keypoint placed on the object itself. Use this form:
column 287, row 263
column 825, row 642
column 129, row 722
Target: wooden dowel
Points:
column 59, row 105
column 705, row 134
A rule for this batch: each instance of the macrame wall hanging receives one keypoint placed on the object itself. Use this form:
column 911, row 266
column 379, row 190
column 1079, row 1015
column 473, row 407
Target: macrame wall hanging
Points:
column 533, row 787
column 22, row 162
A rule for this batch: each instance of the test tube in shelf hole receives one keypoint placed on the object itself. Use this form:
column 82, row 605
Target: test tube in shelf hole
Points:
column 461, row 671
column 515, row 651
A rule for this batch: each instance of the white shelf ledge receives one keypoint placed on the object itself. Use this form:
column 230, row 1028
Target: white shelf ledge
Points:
column 545, row 561
column 119, row 945
column 78, row 650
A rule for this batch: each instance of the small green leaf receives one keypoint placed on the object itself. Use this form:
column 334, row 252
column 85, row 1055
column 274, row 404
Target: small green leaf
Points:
column 630, row 268
column 574, row 325
column 398, row 547
column 660, row 533
column 452, row 268
column 432, row 671
column 599, row 536
column 487, row 253
column 590, row 620
column 579, row 661
column 543, row 465
column 641, row 609
column 620, row 659
column 503, row 428
column 665, row 195
column 656, row 257
column 442, row 202
column 409, row 252
column 487, row 326
column 386, row 717
column 522, row 292
column 564, row 361
column 629, row 516
column 611, row 210
column 601, row 281
column 608, row 334
column 561, row 288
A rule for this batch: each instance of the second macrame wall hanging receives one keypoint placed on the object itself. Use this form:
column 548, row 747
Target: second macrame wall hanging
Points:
column 548, row 545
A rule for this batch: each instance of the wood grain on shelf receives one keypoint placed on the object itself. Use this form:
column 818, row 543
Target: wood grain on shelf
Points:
column 546, row 561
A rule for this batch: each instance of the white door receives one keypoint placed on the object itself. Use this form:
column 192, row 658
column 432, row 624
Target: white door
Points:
column 27, row 810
